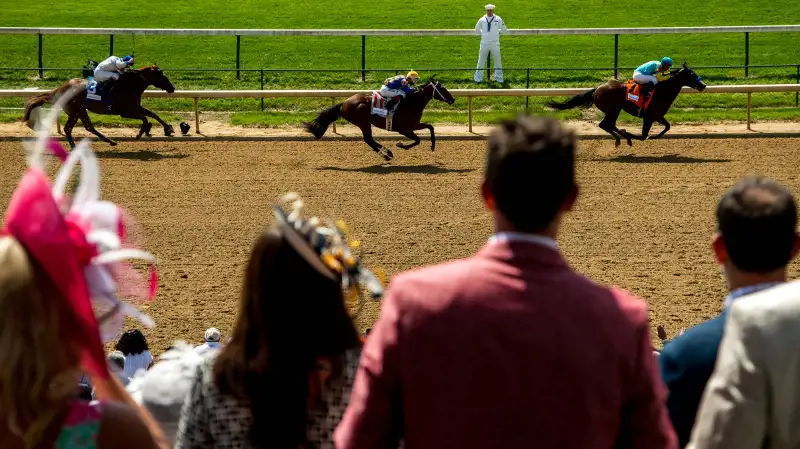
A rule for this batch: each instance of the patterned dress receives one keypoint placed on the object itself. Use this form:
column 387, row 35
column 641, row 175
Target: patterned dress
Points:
column 210, row 419
column 81, row 427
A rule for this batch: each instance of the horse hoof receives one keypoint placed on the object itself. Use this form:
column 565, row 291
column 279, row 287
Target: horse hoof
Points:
column 630, row 144
column 401, row 146
column 112, row 143
column 616, row 144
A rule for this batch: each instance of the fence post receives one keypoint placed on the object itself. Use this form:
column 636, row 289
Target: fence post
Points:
column 363, row 57
column 196, row 116
column 469, row 113
column 262, row 88
column 527, row 86
column 41, row 65
column 333, row 102
column 747, row 54
column 749, row 98
column 238, row 54
column 797, row 94
column 110, row 45
column 616, row 56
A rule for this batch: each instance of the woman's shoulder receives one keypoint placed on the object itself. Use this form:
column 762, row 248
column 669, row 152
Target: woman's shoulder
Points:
column 122, row 427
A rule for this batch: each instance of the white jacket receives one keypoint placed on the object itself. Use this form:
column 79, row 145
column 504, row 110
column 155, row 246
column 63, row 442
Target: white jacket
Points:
column 112, row 64
column 490, row 29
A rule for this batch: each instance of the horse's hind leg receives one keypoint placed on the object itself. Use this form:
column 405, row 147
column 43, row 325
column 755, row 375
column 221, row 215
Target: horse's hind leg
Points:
column 411, row 135
column 87, row 123
column 366, row 131
column 646, row 125
column 71, row 121
column 168, row 129
column 609, row 125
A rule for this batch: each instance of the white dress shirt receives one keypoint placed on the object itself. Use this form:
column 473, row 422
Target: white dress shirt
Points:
column 490, row 29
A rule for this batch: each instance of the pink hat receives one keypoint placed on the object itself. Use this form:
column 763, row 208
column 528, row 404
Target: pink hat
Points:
column 78, row 241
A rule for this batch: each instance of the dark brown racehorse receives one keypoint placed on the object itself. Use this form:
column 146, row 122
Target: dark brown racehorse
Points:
column 611, row 99
column 126, row 102
column 406, row 119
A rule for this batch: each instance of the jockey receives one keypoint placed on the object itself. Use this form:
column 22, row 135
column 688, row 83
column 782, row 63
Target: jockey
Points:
column 397, row 87
column 112, row 68
column 646, row 73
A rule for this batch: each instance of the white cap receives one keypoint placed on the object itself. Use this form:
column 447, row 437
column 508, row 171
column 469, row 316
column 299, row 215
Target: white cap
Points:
column 489, row 6
column 212, row 334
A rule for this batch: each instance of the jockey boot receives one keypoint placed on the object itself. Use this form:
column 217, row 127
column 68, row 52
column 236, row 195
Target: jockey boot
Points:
column 645, row 92
column 391, row 105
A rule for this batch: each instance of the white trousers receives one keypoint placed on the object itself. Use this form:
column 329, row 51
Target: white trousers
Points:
column 641, row 78
column 386, row 92
column 103, row 75
column 494, row 49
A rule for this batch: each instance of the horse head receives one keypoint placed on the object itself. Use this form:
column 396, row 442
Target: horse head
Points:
column 155, row 77
column 687, row 77
column 438, row 92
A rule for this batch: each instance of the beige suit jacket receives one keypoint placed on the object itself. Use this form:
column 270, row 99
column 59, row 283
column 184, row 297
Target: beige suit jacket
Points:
column 753, row 397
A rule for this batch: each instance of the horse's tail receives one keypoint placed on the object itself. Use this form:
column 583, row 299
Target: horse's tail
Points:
column 35, row 102
column 584, row 100
column 319, row 125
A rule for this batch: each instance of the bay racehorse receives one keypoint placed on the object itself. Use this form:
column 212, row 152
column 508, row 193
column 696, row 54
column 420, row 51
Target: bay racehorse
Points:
column 126, row 97
column 406, row 119
column 611, row 98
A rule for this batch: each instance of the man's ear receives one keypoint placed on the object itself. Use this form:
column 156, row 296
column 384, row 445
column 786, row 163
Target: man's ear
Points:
column 720, row 252
column 488, row 198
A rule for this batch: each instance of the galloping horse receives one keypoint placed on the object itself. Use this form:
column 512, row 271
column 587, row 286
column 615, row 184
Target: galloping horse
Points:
column 406, row 119
column 611, row 99
column 126, row 102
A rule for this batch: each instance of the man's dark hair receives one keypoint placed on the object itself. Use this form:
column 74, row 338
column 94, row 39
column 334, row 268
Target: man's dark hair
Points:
column 757, row 220
column 530, row 170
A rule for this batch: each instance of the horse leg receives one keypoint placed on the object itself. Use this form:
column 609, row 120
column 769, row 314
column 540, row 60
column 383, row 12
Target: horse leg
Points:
column 71, row 121
column 168, row 129
column 366, row 131
column 609, row 125
column 410, row 135
column 87, row 123
column 433, row 135
column 146, row 126
column 646, row 125
column 664, row 122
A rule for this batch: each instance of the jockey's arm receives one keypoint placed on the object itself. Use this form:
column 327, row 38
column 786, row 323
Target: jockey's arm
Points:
column 407, row 88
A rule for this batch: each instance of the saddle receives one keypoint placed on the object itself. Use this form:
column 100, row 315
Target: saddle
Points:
column 378, row 108
column 633, row 93
column 100, row 92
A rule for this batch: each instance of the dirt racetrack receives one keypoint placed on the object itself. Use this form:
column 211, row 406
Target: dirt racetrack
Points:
column 644, row 219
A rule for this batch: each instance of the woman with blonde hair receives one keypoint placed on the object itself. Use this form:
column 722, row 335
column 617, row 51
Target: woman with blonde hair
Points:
column 59, row 265
column 284, row 379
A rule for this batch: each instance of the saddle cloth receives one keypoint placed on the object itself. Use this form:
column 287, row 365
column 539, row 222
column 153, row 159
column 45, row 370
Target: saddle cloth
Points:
column 99, row 92
column 378, row 104
column 633, row 94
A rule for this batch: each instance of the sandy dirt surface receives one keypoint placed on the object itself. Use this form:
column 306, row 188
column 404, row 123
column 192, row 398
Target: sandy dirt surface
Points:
column 221, row 128
column 644, row 220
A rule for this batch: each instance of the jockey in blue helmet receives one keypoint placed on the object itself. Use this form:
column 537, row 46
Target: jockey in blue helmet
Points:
column 397, row 87
column 112, row 68
column 646, row 74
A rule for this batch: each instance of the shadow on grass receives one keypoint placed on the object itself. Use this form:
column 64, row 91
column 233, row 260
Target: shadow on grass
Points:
column 428, row 169
column 663, row 159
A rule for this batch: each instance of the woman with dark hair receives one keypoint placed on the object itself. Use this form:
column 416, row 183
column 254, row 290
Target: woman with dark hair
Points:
column 284, row 379
column 134, row 347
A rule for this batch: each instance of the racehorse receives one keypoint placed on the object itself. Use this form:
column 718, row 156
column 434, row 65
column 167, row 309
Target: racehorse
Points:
column 126, row 102
column 611, row 99
column 406, row 119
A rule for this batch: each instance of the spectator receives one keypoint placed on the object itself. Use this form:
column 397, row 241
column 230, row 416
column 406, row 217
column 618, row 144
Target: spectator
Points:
column 753, row 397
column 163, row 388
column 48, row 332
column 510, row 348
column 285, row 377
column 490, row 26
column 133, row 346
column 211, row 340
column 116, row 362
column 755, row 242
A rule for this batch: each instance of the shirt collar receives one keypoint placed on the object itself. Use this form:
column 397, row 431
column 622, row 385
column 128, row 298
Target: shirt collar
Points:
column 520, row 237
column 749, row 290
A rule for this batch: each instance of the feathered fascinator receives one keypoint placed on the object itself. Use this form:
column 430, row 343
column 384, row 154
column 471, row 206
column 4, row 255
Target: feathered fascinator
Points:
column 327, row 249
column 80, row 241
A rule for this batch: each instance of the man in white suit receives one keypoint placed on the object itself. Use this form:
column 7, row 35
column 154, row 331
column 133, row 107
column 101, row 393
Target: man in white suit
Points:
column 753, row 397
column 490, row 27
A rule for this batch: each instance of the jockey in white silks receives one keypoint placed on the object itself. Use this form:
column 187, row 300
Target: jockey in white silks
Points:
column 112, row 68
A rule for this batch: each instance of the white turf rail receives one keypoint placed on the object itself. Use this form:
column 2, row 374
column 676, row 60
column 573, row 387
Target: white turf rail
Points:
column 399, row 32
column 551, row 92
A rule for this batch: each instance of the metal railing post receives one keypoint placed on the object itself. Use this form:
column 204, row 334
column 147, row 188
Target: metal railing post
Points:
column 196, row 115
column 333, row 103
column 262, row 88
column 41, row 64
column 363, row 57
column 797, row 94
column 747, row 54
column 527, row 86
column 749, row 99
column 616, row 56
column 238, row 55
column 110, row 45
column 469, row 113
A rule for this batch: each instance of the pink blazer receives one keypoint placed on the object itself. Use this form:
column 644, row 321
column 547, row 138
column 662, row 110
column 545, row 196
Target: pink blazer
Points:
column 508, row 349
